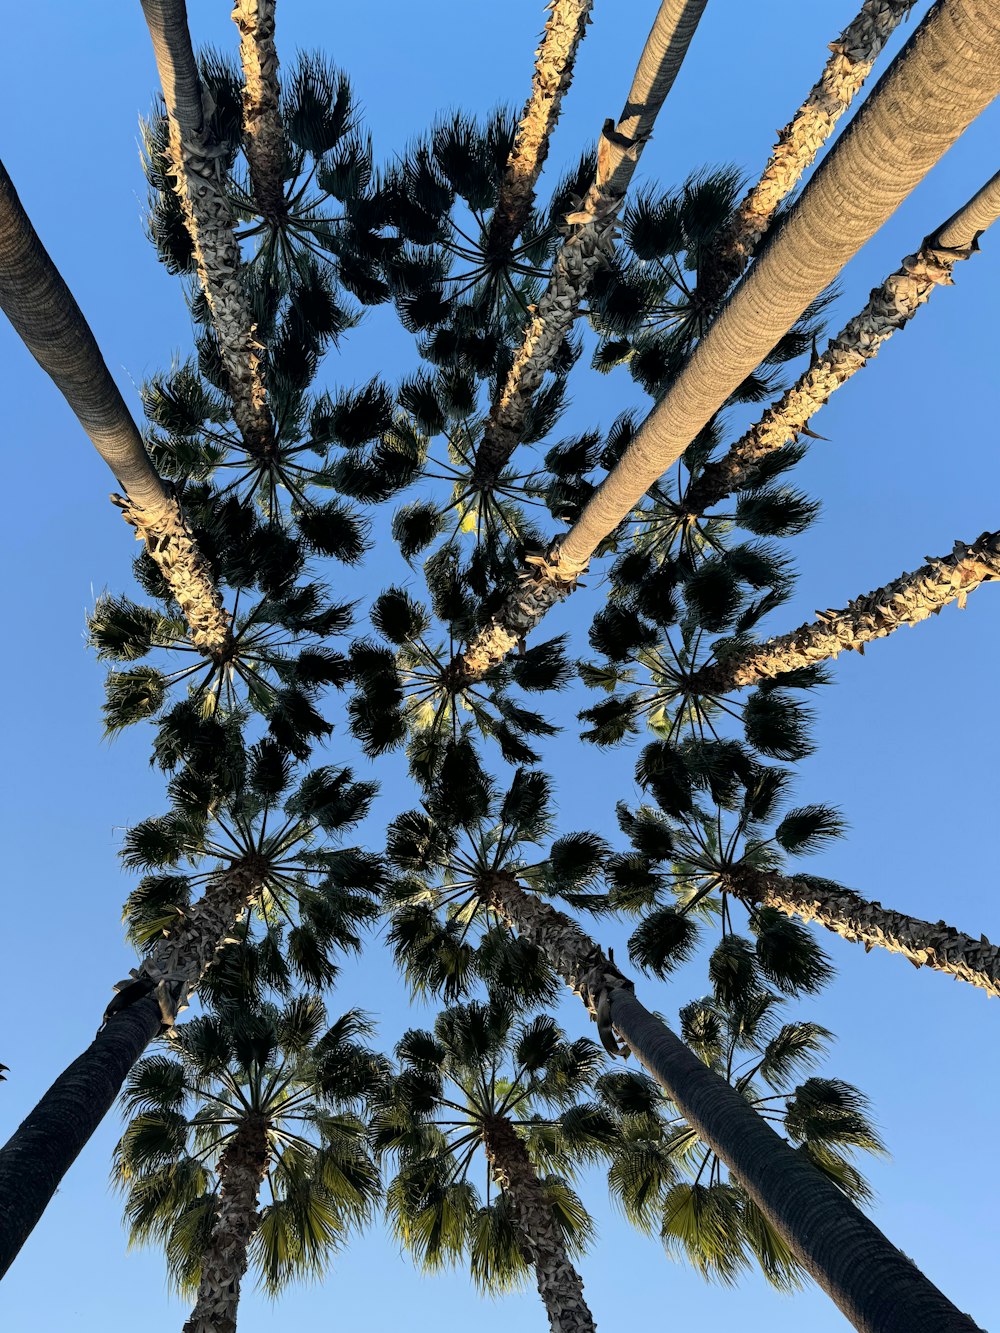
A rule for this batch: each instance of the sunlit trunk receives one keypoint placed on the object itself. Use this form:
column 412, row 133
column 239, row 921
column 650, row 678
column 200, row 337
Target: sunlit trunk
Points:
column 265, row 137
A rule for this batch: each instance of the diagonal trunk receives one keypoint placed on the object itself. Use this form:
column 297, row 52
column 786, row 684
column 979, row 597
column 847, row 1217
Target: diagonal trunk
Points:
column 906, row 601
column 559, row 1284
column 873, row 1284
column 554, row 61
column 890, row 307
column 46, row 1144
column 51, row 325
column 847, row 914
column 853, row 57
column 242, row 1168
column 591, row 239
column 941, row 80
column 265, row 137
column 201, row 187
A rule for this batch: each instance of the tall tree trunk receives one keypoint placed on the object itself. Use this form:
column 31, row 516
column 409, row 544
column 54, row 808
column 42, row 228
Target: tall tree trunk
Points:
column 906, row 601
column 872, row 1283
column 890, row 307
column 559, row 1284
column 944, row 76
column 554, row 61
column 591, row 239
column 47, row 1142
column 242, row 1168
column 847, row 914
column 51, row 325
column 201, row 188
column 853, row 57
column 265, row 136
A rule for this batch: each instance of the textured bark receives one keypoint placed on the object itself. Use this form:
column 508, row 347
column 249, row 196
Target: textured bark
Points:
column 872, row 1283
column 265, row 137
column 853, row 56
column 845, row 913
column 590, row 241
column 51, row 325
column 554, row 61
column 890, row 307
column 559, row 1284
column 945, row 75
column 906, row 601
column 242, row 1168
column 47, row 1143
column 201, row 188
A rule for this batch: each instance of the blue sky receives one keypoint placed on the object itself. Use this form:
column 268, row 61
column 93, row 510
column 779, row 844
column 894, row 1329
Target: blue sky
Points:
column 906, row 736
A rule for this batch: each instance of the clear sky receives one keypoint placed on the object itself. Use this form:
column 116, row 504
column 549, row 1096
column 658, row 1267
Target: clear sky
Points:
column 907, row 736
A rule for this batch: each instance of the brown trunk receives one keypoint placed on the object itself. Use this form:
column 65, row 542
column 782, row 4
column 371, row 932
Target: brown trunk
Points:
column 242, row 1168
column 854, row 54
column 847, row 914
column 554, row 61
column 201, row 189
column 265, row 137
column 559, row 1284
column 906, row 601
column 889, row 308
column 592, row 227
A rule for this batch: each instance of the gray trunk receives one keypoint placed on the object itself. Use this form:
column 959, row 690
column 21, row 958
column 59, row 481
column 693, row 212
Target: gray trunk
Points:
column 242, row 1168
column 873, row 1284
column 51, row 325
column 264, row 135
column 845, row 913
column 559, row 1284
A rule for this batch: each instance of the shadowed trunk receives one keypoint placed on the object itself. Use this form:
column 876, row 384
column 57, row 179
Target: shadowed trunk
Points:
column 46, row 1144
column 906, row 601
column 941, row 80
column 559, row 1284
column 890, row 307
column 871, row 1282
column 554, row 61
column 265, row 137
column 51, row 325
column 853, row 57
column 200, row 184
column 242, row 1168
column 845, row 913
column 591, row 238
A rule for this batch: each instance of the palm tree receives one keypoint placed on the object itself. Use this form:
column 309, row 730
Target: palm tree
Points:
column 200, row 186
column 854, row 54
column 918, row 109
column 554, row 62
column 272, row 864
column 265, row 135
column 668, row 1181
column 249, row 1102
column 480, row 1084
column 591, row 240
column 42, row 310
column 889, row 308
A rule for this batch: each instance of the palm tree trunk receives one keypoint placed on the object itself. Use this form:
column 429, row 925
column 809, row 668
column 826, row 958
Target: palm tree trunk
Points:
column 51, row 325
column 46, row 1144
column 853, row 57
column 201, row 188
column 937, row 85
column 242, row 1168
column 890, row 307
column 906, row 601
column 591, row 239
column 854, row 918
column 265, row 137
column 559, row 1284
column 872, row 1283
column 554, row 61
